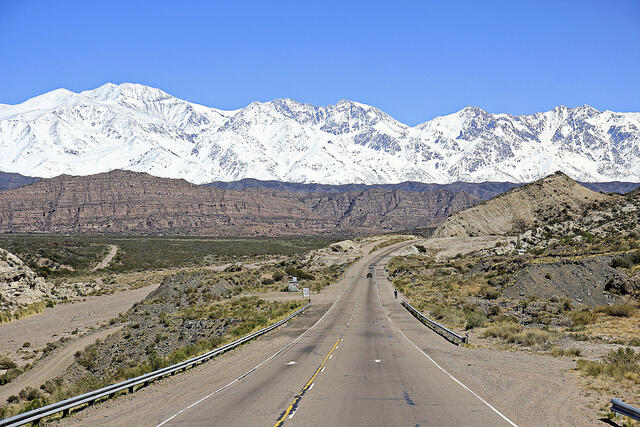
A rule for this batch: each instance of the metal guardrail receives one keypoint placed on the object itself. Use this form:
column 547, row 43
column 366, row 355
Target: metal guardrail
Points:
column 66, row 405
column 435, row 326
column 622, row 408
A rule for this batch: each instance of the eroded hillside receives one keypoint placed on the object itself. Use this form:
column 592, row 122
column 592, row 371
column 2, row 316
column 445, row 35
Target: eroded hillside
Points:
column 552, row 199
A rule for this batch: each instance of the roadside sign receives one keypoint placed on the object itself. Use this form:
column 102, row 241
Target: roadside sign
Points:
column 305, row 292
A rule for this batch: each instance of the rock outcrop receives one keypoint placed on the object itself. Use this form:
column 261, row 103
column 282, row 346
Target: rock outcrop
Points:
column 19, row 285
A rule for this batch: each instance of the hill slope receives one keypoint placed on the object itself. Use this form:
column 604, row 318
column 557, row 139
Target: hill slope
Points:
column 551, row 199
column 14, row 180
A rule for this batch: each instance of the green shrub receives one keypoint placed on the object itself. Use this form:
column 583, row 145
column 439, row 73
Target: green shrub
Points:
column 618, row 310
column 570, row 352
column 515, row 334
column 617, row 364
column 6, row 363
column 299, row 273
column 29, row 393
column 474, row 320
column 582, row 317
column 620, row 263
column 489, row 292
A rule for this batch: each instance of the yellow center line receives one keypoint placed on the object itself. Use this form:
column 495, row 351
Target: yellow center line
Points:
column 298, row 397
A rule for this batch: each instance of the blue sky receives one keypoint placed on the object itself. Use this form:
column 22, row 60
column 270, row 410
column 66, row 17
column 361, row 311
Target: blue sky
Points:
column 414, row 60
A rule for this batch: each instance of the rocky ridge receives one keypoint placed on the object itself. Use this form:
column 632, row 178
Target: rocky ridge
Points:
column 138, row 203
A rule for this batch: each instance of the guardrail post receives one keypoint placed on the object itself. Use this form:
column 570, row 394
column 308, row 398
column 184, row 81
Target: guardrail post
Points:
column 65, row 412
column 131, row 389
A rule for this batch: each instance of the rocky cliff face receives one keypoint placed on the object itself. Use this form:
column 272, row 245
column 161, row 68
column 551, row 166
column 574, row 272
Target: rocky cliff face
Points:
column 133, row 202
column 19, row 285
column 551, row 199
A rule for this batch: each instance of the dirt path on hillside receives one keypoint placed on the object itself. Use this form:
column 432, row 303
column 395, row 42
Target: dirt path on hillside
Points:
column 113, row 250
column 52, row 365
column 63, row 320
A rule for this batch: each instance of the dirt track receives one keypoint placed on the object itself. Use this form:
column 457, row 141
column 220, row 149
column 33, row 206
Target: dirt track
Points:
column 113, row 250
column 51, row 366
column 62, row 320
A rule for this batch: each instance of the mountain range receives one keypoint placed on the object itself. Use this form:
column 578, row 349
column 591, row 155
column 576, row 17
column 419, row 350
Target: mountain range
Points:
column 139, row 128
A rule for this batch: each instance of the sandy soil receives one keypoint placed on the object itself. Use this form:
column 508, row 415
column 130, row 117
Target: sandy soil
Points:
column 62, row 320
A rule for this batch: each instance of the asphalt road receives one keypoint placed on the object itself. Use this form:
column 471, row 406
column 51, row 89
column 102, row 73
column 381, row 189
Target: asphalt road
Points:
column 353, row 367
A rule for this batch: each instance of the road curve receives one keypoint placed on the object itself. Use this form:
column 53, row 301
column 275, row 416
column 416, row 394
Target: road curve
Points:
column 351, row 367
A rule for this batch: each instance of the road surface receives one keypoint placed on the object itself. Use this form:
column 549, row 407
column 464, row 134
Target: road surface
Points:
column 353, row 366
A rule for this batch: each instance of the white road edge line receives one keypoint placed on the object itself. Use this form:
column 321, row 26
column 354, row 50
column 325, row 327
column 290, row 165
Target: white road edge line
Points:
column 255, row 367
column 504, row 417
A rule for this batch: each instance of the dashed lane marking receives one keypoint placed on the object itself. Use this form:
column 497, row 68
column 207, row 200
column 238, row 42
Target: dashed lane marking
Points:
column 298, row 397
column 286, row 347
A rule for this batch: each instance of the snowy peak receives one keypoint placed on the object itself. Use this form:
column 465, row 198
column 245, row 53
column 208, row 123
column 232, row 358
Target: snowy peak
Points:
column 140, row 128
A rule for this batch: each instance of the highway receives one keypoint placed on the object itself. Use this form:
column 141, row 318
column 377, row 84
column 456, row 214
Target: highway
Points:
column 353, row 366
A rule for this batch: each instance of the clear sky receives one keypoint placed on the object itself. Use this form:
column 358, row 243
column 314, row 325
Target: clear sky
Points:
column 414, row 60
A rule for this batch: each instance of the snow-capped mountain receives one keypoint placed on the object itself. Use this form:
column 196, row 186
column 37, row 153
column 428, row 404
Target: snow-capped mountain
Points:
column 139, row 128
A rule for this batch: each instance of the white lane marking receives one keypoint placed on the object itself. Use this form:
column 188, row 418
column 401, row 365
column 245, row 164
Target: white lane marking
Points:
column 286, row 347
column 291, row 363
column 323, row 368
column 337, row 346
column 292, row 414
column 331, row 356
column 455, row 379
column 311, row 386
column 378, row 360
column 341, row 339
